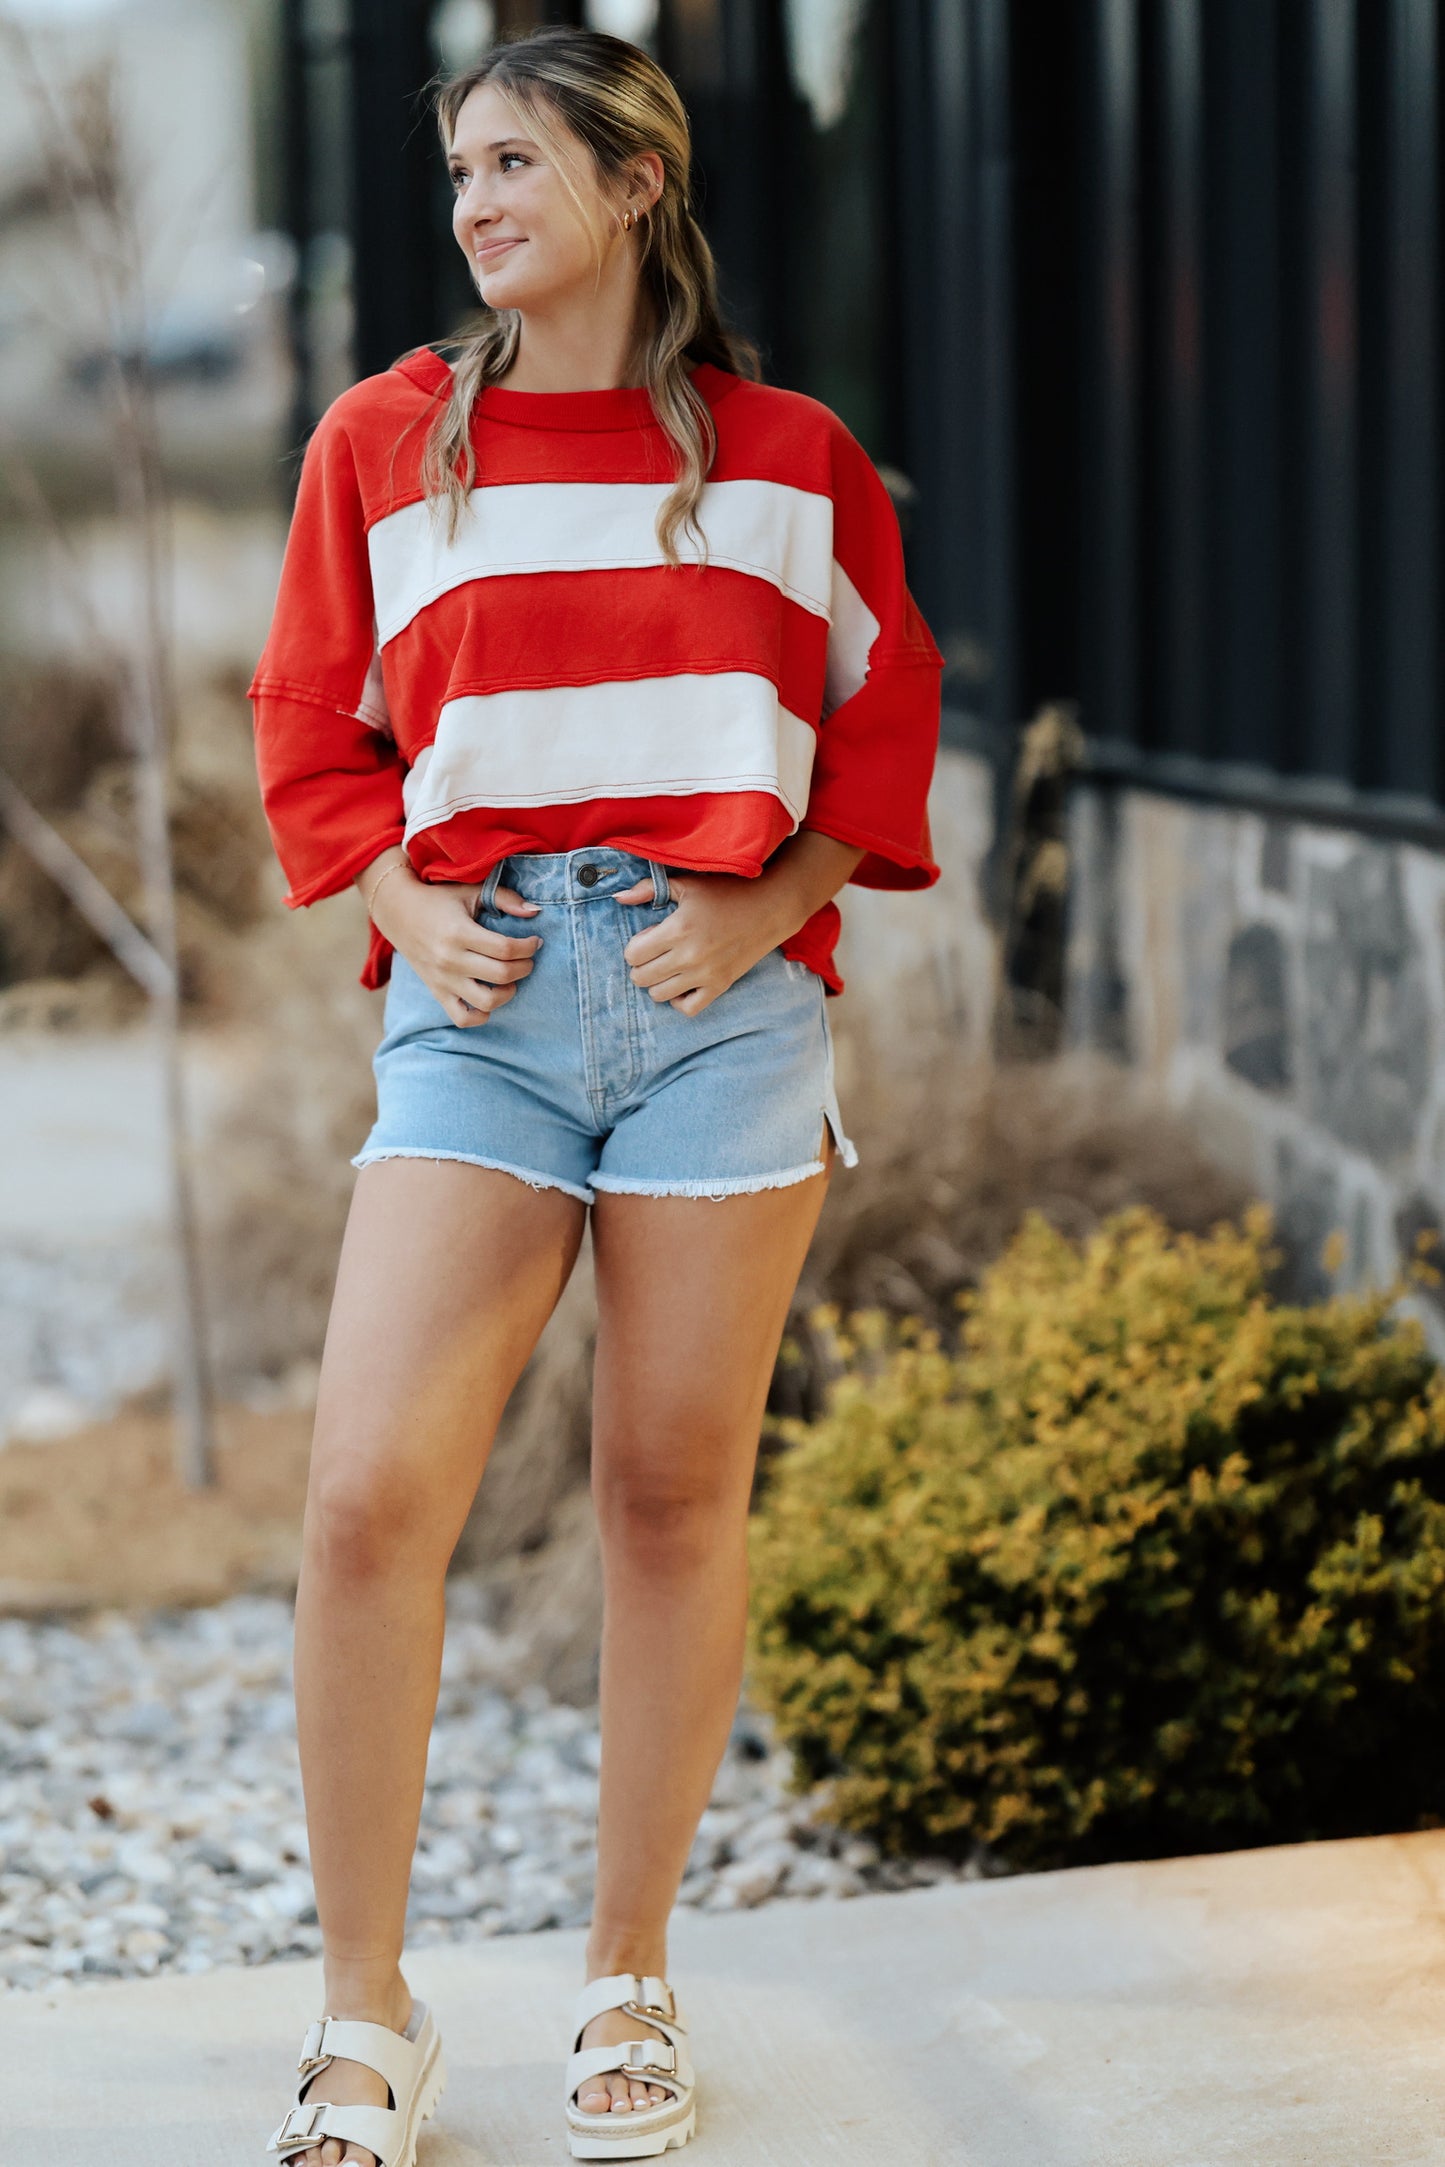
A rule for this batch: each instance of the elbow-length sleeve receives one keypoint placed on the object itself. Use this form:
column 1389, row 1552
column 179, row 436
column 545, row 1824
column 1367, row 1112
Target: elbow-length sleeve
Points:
column 327, row 761
column 878, row 736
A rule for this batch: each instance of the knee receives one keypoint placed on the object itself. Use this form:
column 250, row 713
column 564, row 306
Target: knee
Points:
column 665, row 1514
column 361, row 1522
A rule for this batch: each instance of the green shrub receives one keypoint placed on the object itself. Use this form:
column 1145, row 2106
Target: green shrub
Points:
column 1147, row 1565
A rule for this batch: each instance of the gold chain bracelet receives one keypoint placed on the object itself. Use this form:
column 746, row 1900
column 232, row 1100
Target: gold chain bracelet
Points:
column 395, row 867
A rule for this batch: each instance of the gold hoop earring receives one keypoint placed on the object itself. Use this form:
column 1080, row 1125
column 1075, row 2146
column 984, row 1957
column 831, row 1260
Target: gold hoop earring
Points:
column 629, row 219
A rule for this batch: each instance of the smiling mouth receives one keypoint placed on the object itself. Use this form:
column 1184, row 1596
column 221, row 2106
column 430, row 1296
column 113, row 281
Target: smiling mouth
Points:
column 485, row 253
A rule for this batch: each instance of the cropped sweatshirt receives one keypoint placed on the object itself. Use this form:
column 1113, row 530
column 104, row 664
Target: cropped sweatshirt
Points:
column 548, row 682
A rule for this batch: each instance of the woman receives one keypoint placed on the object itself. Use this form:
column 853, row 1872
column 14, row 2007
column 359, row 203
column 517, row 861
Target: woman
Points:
column 594, row 667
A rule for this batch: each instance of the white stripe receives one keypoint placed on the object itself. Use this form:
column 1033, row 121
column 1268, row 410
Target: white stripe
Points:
column 768, row 529
column 850, row 642
column 373, row 708
column 647, row 737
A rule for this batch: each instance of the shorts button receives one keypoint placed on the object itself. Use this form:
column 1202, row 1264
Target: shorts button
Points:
column 588, row 875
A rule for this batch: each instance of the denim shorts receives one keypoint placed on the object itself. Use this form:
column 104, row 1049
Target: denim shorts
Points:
column 582, row 1082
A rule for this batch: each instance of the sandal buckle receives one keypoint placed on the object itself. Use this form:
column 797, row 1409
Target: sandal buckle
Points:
column 644, row 2008
column 289, row 2132
column 311, row 2055
column 645, row 2054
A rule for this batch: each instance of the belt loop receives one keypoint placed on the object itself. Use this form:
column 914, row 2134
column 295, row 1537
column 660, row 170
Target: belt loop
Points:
column 490, row 885
column 661, row 892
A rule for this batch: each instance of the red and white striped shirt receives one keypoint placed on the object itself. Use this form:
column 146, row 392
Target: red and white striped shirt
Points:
column 548, row 682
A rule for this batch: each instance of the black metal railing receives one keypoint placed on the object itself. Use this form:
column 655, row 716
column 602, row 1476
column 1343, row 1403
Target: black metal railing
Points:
column 1258, row 600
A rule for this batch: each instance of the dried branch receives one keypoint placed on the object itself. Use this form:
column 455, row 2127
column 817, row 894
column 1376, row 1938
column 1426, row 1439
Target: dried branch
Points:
column 48, row 847
column 85, row 152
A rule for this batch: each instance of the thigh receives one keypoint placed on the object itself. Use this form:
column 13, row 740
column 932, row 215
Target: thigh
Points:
column 448, row 1273
column 693, row 1294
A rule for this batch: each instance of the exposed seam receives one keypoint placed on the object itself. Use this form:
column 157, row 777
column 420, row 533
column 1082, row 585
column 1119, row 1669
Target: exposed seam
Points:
column 339, row 878
column 484, row 685
column 469, row 1158
column 679, row 787
column 523, row 565
column 714, row 1190
column 842, row 831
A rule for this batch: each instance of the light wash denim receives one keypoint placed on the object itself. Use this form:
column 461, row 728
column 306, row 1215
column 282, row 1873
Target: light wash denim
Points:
column 583, row 1082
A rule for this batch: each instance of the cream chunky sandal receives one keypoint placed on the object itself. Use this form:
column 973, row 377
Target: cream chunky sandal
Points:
column 644, row 2131
column 411, row 2065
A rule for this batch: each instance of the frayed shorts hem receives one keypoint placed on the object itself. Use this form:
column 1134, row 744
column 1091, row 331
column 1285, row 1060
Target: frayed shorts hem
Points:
column 469, row 1158
column 714, row 1189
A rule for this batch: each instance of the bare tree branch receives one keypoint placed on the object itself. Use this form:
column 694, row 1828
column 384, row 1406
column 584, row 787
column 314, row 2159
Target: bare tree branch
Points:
column 27, row 490
column 86, row 153
column 48, row 847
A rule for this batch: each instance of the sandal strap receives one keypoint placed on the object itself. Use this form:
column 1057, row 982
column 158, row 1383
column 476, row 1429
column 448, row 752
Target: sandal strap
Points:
column 650, row 2061
column 378, row 2129
column 643, row 1994
column 353, row 2039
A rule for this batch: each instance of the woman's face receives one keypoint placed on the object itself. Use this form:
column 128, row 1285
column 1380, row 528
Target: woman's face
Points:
column 514, row 218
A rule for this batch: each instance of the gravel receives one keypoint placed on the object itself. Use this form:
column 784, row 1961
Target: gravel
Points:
column 151, row 1813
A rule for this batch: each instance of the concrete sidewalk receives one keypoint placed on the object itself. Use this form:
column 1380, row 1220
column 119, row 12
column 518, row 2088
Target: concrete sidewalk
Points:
column 1283, row 2007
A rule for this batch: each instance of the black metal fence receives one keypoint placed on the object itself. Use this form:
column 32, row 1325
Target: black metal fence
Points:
column 1137, row 298
column 1260, row 480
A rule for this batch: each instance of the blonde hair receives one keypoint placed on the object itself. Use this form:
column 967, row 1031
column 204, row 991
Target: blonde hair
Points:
column 617, row 100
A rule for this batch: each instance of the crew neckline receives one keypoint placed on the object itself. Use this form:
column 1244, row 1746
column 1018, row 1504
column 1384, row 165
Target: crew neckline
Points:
column 623, row 406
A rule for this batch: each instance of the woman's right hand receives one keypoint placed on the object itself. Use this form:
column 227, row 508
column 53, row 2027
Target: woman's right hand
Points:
column 463, row 965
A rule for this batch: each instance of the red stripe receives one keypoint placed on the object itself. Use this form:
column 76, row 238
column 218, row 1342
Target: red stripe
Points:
column 730, row 831
column 777, row 437
column 537, row 629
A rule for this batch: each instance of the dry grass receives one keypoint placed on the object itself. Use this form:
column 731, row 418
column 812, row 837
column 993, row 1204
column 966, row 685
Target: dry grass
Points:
column 58, row 741
column 277, row 1181
column 101, row 1517
column 951, row 1157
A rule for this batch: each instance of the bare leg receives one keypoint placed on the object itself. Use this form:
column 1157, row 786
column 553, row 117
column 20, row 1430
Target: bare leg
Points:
column 448, row 1273
column 693, row 1295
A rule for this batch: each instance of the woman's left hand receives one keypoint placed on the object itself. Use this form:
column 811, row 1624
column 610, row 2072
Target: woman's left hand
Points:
column 724, row 923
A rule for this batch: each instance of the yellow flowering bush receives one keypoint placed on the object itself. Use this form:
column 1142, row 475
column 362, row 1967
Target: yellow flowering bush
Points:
column 1147, row 1564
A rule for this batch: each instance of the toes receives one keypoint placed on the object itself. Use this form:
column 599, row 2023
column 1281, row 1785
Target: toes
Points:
column 594, row 2101
column 621, row 2092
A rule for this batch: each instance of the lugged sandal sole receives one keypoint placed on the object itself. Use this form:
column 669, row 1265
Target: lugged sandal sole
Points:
column 650, row 2147
column 428, row 2092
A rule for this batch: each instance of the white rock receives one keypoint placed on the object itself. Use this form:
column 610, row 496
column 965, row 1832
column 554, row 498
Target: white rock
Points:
column 181, row 1725
column 45, row 1412
column 145, row 1941
column 755, row 1876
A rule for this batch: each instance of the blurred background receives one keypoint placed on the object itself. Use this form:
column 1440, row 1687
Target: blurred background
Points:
column 1135, row 305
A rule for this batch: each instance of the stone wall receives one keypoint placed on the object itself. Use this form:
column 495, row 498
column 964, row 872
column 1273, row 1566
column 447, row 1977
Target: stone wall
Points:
column 1284, row 983
column 920, row 964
